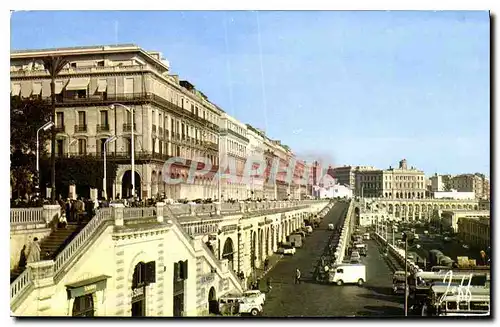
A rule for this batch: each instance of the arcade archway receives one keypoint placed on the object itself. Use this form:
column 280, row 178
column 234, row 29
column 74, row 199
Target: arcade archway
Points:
column 127, row 185
column 213, row 305
column 228, row 252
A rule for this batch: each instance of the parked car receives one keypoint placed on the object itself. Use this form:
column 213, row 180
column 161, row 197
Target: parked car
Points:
column 256, row 295
column 331, row 227
column 465, row 246
column 233, row 304
column 355, row 257
column 286, row 250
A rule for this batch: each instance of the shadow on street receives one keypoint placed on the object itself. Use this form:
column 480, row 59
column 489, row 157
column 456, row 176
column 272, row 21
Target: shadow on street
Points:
column 382, row 310
column 381, row 297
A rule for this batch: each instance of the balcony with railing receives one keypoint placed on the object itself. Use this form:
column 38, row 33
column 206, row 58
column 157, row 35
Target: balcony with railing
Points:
column 60, row 128
column 80, row 128
column 153, row 130
column 128, row 127
column 160, row 132
column 102, row 128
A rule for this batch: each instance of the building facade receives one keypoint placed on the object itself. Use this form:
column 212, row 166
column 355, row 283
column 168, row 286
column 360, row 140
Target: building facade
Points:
column 150, row 262
column 120, row 90
column 255, row 151
column 392, row 183
column 475, row 232
column 450, row 218
column 345, row 175
column 171, row 118
column 234, row 144
column 476, row 183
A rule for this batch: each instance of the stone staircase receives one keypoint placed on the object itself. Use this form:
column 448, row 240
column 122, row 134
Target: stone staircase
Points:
column 52, row 245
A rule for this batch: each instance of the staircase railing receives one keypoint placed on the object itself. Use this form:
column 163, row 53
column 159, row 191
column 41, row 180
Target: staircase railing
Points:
column 207, row 250
column 26, row 215
column 236, row 280
column 83, row 237
column 20, row 284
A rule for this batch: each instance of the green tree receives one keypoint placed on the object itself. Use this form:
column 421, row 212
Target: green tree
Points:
column 26, row 117
column 83, row 171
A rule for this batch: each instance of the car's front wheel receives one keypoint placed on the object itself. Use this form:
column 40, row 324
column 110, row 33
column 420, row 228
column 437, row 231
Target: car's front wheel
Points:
column 254, row 312
column 340, row 282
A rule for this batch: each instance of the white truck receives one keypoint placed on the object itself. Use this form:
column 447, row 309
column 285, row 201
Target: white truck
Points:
column 348, row 274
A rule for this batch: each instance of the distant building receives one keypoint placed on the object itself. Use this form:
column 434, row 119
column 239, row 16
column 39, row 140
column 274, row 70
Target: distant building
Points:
column 392, row 183
column 345, row 175
column 475, row 231
column 450, row 218
column 476, row 183
column 454, row 194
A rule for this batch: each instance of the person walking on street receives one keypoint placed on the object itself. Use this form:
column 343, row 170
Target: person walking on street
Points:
column 297, row 276
column 269, row 287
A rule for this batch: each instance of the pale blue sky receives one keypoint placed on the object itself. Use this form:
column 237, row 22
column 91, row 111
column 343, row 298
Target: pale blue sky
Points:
column 360, row 88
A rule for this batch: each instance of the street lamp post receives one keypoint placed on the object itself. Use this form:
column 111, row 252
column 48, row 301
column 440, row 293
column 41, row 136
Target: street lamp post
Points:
column 104, row 184
column 132, row 160
column 45, row 127
column 69, row 146
column 405, row 239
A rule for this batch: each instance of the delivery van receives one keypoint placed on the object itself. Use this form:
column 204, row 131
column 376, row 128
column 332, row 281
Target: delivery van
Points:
column 296, row 240
column 348, row 274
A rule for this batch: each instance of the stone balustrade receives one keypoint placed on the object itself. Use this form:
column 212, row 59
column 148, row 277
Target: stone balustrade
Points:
column 26, row 216
column 118, row 215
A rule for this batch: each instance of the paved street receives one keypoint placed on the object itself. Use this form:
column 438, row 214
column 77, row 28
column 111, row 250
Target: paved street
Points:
column 451, row 249
column 314, row 299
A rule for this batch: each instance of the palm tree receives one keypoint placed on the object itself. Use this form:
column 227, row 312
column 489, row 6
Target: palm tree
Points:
column 53, row 65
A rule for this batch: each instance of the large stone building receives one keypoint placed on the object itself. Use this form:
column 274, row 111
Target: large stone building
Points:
column 150, row 261
column 345, row 175
column 171, row 117
column 255, row 151
column 450, row 218
column 234, row 143
column 393, row 183
column 476, row 183
column 475, row 232
column 102, row 89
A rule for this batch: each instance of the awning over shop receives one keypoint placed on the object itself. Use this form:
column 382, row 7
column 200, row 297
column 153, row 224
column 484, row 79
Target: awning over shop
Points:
column 26, row 90
column 58, row 87
column 86, row 286
column 102, row 85
column 76, row 84
column 15, row 89
column 37, row 88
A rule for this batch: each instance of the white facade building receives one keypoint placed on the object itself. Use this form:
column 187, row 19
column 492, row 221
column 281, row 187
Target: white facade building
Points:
column 454, row 194
column 234, row 144
column 255, row 151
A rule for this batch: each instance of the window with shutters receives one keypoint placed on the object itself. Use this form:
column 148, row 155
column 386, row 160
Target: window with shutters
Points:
column 82, row 146
column 82, row 118
column 128, row 87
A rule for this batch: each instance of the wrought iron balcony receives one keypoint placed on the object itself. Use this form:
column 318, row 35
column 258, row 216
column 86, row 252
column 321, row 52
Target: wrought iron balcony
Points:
column 60, row 129
column 80, row 128
column 128, row 127
column 102, row 128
